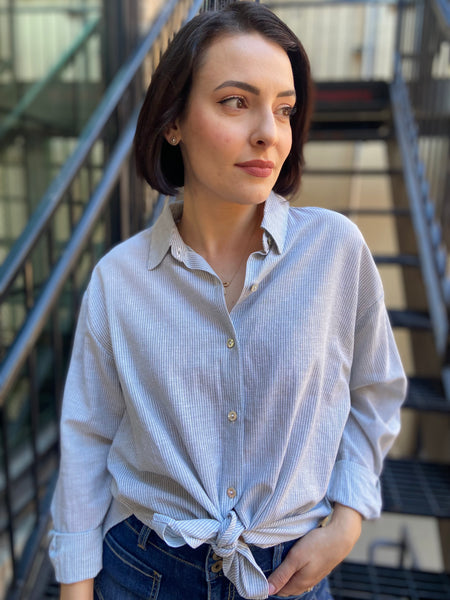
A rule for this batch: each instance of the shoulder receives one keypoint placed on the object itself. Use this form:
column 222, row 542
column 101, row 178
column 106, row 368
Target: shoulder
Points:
column 134, row 250
column 121, row 268
column 324, row 225
column 125, row 262
column 336, row 246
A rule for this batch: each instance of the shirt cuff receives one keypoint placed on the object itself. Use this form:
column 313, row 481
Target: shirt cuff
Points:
column 76, row 556
column 355, row 486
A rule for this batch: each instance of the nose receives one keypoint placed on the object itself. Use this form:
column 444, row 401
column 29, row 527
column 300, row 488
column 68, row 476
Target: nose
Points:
column 265, row 132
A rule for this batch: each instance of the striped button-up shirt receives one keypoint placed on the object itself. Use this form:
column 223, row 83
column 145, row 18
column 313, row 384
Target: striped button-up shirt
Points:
column 226, row 428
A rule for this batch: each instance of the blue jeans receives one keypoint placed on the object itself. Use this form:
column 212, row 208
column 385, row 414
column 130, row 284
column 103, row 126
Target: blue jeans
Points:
column 138, row 564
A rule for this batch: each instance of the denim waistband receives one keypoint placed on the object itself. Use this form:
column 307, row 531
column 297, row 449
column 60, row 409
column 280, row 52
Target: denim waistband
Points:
column 266, row 558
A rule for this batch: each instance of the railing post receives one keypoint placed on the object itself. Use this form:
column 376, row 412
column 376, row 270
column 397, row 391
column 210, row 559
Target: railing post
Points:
column 121, row 36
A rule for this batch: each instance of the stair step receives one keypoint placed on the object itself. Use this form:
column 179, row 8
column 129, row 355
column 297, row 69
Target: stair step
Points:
column 355, row 581
column 410, row 319
column 350, row 131
column 404, row 260
column 351, row 172
column 376, row 212
column 416, row 488
column 426, row 393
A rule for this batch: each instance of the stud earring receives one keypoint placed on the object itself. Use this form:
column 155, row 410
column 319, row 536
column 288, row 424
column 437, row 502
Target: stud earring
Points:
column 173, row 141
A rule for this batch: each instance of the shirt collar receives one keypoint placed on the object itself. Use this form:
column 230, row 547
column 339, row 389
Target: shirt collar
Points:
column 275, row 221
column 165, row 235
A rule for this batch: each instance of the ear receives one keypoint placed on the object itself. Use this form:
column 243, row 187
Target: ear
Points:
column 173, row 134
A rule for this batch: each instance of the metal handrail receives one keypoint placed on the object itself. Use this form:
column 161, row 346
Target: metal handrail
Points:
column 444, row 7
column 19, row 253
column 40, row 86
column 91, row 132
column 40, row 312
column 116, row 168
column 408, row 109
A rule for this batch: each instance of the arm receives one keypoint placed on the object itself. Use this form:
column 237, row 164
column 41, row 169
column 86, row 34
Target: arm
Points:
column 377, row 388
column 91, row 413
column 83, row 590
column 317, row 553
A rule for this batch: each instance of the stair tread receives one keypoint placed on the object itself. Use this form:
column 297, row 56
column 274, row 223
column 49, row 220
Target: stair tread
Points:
column 410, row 319
column 358, row 581
column 426, row 393
column 405, row 260
column 416, row 488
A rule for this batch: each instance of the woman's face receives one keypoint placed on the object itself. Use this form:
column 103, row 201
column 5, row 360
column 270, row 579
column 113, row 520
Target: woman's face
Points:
column 235, row 133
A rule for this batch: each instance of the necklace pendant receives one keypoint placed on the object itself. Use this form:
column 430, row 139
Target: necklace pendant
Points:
column 225, row 284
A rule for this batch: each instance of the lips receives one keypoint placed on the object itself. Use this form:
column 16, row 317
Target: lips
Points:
column 257, row 168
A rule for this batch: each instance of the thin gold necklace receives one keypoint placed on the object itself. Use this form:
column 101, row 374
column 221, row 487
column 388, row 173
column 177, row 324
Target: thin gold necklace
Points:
column 228, row 282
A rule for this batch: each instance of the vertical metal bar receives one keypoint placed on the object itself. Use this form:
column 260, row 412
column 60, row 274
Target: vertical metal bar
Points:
column 71, row 227
column 124, row 199
column 12, row 46
column 8, row 487
column 33, row 387
column 57, row 356
column 34, row 423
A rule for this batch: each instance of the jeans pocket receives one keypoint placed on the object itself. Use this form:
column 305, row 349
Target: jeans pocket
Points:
column 125, row 577
column 320, row 591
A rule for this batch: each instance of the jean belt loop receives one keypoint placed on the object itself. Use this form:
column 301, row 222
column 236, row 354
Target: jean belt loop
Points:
column 143, row 537
column 277, row 557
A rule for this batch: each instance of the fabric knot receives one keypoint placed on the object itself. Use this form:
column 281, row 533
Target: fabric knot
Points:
column 230, row 530
column 225, row 538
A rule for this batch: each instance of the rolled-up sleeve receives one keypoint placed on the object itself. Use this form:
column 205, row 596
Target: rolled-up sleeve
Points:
column 91, row 413
column 377, row 391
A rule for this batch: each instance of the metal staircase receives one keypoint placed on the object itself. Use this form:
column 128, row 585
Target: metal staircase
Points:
column 413, row 125
column 90, row 201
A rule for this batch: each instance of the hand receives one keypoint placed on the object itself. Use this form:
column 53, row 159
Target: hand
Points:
column 316, row 554
column 82, row 590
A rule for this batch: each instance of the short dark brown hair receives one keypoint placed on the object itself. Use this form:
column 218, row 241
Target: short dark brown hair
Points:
column 167, row 96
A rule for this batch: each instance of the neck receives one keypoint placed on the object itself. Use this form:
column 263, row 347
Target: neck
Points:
column 220, row 229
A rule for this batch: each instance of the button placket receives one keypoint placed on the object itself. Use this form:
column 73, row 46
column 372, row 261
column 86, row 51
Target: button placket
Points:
column 232, row 469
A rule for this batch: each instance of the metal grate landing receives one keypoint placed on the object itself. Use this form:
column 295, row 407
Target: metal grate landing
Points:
column 411, row 487
column 426, row 394
column 353, row 581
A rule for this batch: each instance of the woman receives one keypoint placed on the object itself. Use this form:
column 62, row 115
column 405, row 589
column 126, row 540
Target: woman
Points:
column 234, row 382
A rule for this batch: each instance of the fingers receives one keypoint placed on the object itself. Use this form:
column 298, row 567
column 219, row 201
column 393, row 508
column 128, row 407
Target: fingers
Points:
column 289, row 571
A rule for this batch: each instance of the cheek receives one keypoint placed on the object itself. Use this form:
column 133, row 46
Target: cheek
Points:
column 208, row 135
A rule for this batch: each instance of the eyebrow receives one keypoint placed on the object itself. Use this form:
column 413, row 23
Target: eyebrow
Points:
column 250, row 88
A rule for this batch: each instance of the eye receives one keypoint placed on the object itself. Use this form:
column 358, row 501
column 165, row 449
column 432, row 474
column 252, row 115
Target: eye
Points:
column 237, row 102
column 286, row 111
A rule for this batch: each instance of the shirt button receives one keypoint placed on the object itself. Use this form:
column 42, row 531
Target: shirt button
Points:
column 254, row 288
column 231, row 492
column 230, row 343
column 232, row 415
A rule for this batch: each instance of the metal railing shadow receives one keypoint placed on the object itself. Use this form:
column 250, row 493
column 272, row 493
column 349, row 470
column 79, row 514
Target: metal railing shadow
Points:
column 33, row 363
